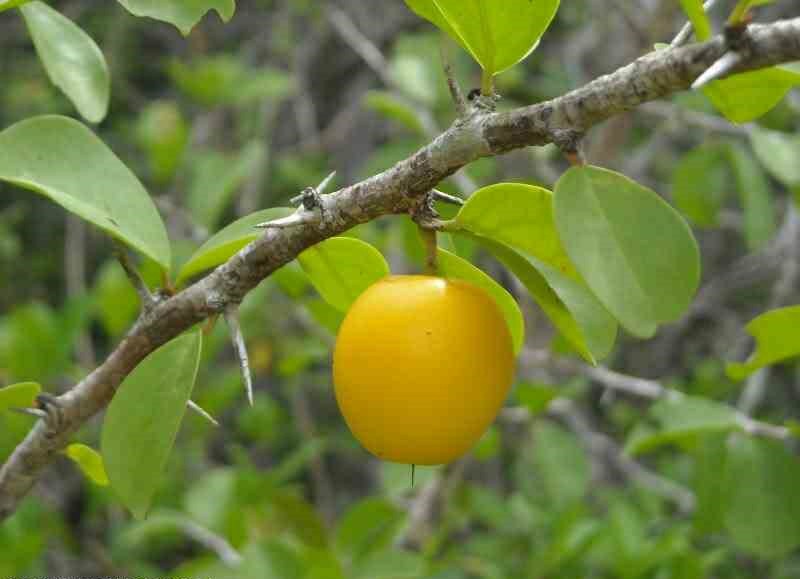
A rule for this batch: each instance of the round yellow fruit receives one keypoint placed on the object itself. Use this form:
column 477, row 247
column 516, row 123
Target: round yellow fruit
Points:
column 421, row 368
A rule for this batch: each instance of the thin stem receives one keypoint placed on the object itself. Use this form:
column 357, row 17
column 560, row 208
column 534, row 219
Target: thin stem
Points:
column 487, row 84
column 431, row 250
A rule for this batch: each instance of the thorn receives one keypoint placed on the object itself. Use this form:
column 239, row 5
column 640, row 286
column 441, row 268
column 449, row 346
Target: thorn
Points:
column 446, row 198
column 310, row 200
column 232, row 318
column 199, row 410
column 455, row 89
column 36, row 412
column 325, row 182
column 721, row 68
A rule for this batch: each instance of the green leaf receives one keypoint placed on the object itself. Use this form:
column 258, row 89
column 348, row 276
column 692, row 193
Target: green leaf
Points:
column 226, row 242
column 368, row 526
column 635, row 252
column 754, row 193
column 163, row 133
column 61, row 159
column 215, row 178
column 395, row 108
column 142, row 421
column 535, row 397
column 762, row 513
column 391, row 564
column 561, row 463
column 778, row 152
column 184, row 14
column 340, row 268
column 569, row 304
column 8, row 4
column 747, row 96
column 699, row 183
column 496, row 34
column 776, row 337
column 19, row 395
column 518, row 215
column 454, row 267
column 697, row 16
column 89, row 461
column 682, row 418
column 709, row 487
column 71, row 58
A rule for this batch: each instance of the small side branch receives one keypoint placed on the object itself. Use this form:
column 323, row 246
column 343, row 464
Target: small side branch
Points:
column 148, row 300
column 456, row 93
column 232, row 319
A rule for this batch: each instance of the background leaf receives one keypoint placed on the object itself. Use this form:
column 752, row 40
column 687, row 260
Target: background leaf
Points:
column 19, row 395
column 142, row 421
column 89, row 461
column 454, row 267
column 71, row 58
column 778, row 152
column 762, row 513
column 746, row 96
column 340, row 268
column 184, row 14
column 635, row 252
column 776, row 336
column 61, row 159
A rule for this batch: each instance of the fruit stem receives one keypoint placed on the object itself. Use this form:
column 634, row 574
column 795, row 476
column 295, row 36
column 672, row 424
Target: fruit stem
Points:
column 431, row 250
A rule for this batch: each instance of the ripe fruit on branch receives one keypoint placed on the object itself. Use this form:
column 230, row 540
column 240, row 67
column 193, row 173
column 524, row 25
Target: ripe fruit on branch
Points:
column 421, row 367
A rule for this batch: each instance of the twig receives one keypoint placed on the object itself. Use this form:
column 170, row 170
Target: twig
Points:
column 455, row 90
column 360, row 44
column 216, row 543
column 232, row 319
column 602, row 445
column 146, row 299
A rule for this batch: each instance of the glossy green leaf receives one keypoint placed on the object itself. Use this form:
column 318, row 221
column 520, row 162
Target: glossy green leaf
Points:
column 496, row 34
column 454, row 267
column 340, row 268
column 762, row 512
column 569, row 304
column 681, row 418
column 776, row 334
column 518, row 215
column 184, row 14
column 19, row 395
column 635, row 252
column 142, row 421
column 89, row 461
column 697, row 16
column 755, row 198
column 699, row 183
column 71, row 58
column 778, row 152
column 747, row 96
column 226, row 242
column 61, row 159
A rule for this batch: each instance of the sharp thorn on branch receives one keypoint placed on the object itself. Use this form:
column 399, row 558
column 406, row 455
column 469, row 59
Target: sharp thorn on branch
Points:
column 232, row 319
column 446, row 197
column 199, row 410
column 726, row 64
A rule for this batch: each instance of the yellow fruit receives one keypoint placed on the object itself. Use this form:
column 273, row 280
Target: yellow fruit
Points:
column 421, row 367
